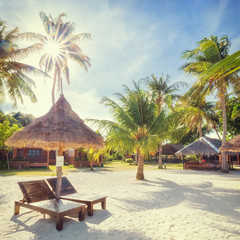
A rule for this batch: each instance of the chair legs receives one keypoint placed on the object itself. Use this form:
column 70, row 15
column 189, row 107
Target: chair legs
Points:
column 16, row 208
column 59, row 222
column 103, row 203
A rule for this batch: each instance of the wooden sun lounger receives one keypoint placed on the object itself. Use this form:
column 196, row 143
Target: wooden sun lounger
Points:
column 68, row 192
column 38, row 196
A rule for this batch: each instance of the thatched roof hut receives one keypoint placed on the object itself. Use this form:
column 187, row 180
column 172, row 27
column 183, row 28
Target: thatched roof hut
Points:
column 232, row 146
column 59, row 128
column 204, row 145
column 171, row 149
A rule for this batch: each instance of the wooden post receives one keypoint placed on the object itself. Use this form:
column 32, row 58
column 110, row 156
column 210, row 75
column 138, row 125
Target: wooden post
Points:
column 14, row 153
column 47, row 159
column 59, row 176
column 238, row 159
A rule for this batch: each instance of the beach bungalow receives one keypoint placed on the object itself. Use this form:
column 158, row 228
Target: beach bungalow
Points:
column 232, row 149
column 205, row 147
column 36, row 157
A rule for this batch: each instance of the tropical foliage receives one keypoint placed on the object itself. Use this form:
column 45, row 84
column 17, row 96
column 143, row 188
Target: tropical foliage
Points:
column 135, row 124
column 57, row 46
column 6, row 131
column 18, row 118
column 164, row 95
column 233, row 118
column 208, row 53
column 14, row 75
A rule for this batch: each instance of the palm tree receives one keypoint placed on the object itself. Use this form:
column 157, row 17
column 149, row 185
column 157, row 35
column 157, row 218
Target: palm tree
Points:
column 57, row 46
column 224, row 68
column 14, row 79
column 194, row 113
column 208, row 53
column 163, row 95
column 135, row 124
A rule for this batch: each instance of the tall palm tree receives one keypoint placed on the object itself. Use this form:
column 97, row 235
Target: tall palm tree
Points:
column 208, row 53
column 57, row 46
column 163, row 95
column 194, row 113
column 135, row 124
column 14, row 79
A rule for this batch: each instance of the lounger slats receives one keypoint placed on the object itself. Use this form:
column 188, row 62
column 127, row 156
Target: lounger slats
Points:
column 66, row 188
column 68, row 192
column 41, row 199
column 35, row 191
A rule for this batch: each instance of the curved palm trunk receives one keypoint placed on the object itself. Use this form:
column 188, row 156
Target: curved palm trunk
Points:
column 224, row 167
column 160, row 165
column 8, row 166
column 140, row 175
column 200, row 127
column 53, row 87
column 91, row 165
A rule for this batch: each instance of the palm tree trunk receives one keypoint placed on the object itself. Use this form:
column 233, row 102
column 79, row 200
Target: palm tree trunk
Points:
column 91, row 165
column 7, row 160
column 160, row 166
column 53, row 87
column 217, row 133
column 200, row 127
column 224, row 167
column 140, row 175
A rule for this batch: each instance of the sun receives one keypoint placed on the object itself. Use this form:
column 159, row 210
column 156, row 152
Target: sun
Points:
column 53, row 49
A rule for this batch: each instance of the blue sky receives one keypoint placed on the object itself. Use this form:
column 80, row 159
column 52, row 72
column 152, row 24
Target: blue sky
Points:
column 131, row 39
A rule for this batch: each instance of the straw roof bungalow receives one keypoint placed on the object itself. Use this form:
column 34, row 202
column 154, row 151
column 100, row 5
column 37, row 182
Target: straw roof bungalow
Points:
column 232, row 146
column 60, row 128
column 171, row 149
column 204, row 146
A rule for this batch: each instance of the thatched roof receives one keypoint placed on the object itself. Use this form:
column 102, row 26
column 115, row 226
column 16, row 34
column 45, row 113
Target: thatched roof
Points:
column 59, row 127
column 233, row 145
column 171, row 149
column 204, row 145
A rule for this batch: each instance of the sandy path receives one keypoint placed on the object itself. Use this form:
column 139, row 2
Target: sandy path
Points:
column 169, row 204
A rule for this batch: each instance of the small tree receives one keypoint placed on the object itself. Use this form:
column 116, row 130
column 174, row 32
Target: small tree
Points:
column 6, row 131
column 93, row 156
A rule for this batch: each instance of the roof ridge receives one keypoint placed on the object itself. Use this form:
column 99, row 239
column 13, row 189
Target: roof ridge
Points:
column 216, row 149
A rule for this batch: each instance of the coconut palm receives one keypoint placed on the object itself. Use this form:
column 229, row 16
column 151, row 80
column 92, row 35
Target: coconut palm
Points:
column 135, row 124
column 14, row 79
column 208, row 53
column 194, row 113
column 57, row 46
column 223, row 68
column 163, row 95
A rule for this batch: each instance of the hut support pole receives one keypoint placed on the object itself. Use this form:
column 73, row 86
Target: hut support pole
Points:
column 47, row 159
column 59, row 176
column 238, row 159
column 14, row 153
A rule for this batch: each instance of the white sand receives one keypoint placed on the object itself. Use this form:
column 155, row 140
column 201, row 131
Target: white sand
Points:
column 169, row 204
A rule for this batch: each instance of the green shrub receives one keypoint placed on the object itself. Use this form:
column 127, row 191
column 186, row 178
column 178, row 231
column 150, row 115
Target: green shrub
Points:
column 193, row 157
column 129, row 160
column 3, row 165
column 118, row 156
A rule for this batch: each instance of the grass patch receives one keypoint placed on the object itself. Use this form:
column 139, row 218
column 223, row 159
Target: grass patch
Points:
column 31, row 172
column 114, row 166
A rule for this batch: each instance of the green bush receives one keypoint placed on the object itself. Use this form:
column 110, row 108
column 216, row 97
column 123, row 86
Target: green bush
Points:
column 118, row 156
column 191, row 157
column 110, row 158
column 129, row 160
column 3, row 165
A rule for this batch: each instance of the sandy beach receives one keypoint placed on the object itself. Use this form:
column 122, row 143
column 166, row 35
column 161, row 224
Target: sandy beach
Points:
column 169, row 204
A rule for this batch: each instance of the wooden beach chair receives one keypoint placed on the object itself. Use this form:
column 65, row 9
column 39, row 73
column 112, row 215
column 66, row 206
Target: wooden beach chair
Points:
column 38, row 196
column 68, row 192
